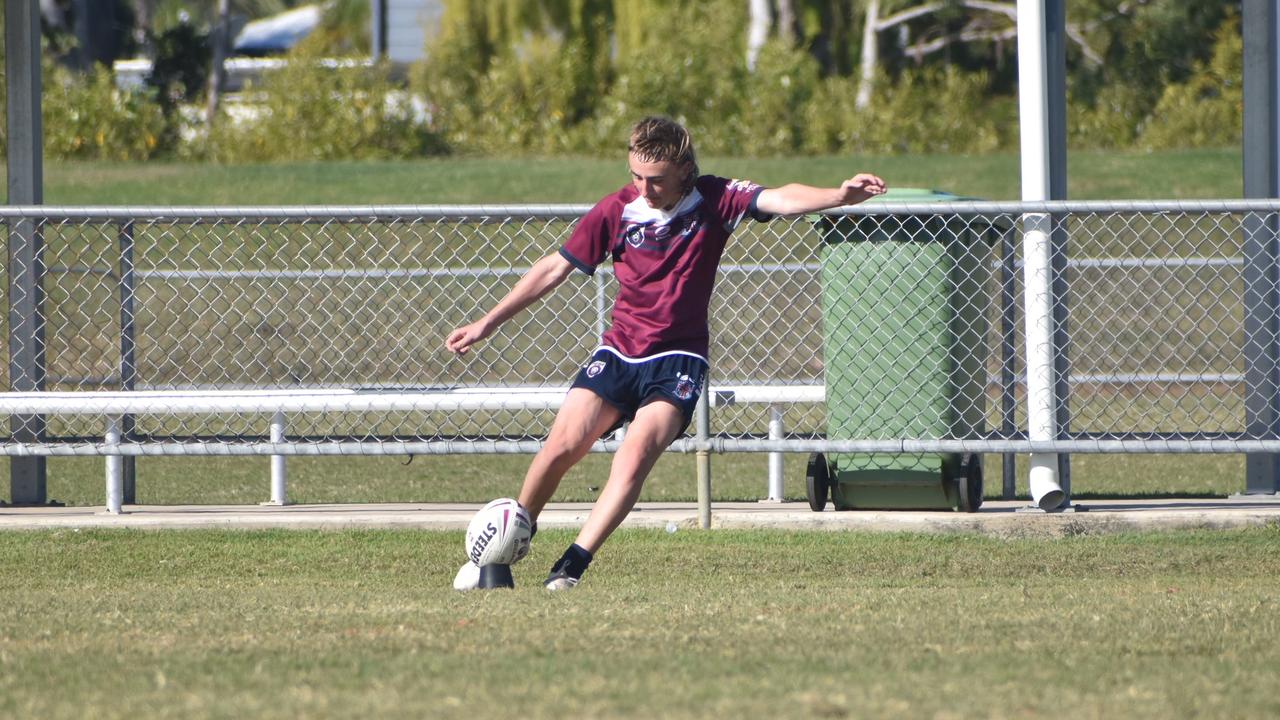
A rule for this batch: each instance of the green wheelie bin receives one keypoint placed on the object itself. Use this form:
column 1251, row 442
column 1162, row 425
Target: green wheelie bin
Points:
column 904, row 320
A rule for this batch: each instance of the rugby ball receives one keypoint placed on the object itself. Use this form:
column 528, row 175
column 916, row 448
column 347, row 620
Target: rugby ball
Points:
column 499, row 533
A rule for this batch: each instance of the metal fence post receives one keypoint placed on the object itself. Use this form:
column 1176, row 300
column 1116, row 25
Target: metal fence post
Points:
column 1061, row 342
column 128, row 361
column 26, row 187
column 279, row 463
column 1261, row 347
column 1008, row 356
column 1056, row 85
column 776, row 459
column 115, row 488
column 1261, row 256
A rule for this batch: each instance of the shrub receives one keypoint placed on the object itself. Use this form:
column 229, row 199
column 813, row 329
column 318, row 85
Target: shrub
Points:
column 86, row 118
column 921, row 111
column 308, row 111
column 562, row 92
column 773, row 120
column 497, row 87
column 530, row 100
column 1110, row 121
column 1207, row 110
column 943, row 111
column 704, row 83
column 526, row 101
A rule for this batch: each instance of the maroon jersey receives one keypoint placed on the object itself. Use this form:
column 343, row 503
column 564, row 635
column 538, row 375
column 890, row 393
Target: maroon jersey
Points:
column 665, row 261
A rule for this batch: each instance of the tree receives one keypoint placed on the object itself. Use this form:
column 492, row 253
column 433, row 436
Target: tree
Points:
column 982, row 21
column 758, row 27
column 786, row 19
column 870, row 55
column 1146, row 46
column 761, row 25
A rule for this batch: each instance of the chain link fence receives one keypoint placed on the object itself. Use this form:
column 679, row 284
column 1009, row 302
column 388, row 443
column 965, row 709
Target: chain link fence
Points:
column 878, row 324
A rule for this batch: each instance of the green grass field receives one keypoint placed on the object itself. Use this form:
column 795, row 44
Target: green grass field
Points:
column 758, row 624
column 1091, row 175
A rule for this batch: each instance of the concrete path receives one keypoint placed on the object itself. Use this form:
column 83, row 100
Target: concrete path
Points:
column 997, row 518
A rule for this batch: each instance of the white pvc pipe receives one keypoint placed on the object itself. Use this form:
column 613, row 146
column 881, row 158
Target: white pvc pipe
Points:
column 1033, row 109
column 115, row 468
column 279, row 467
column 344, row 400
column 775, row 458
column 1041, row 418
column 1033, row 101
column 271, row 401
column 728, row 395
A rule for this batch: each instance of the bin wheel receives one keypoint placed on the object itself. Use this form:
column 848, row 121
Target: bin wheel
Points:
column 969, row 480
column 817, row 481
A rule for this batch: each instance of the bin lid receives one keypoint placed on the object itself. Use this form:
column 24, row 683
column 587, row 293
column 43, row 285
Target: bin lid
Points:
column 908, row 195
column 920, row 195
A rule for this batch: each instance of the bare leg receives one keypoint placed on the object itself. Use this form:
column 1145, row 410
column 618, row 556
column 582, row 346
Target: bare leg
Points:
column 655, row 426
column 582, row 419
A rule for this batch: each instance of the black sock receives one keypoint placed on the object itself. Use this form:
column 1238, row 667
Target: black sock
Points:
column 533, row 529
column 573, row 562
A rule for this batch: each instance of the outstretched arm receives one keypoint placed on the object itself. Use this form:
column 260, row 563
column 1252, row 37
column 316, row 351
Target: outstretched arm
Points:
column 795, row 199
column 541, row 279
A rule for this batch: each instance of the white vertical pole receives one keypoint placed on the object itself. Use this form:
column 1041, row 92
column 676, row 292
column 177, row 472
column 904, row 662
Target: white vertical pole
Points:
column 279, row 469
column 602, row 307
column 1033, row 111
column 775, row 458
column 115, row 468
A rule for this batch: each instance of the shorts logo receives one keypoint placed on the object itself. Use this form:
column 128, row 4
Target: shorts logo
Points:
column 595, row 368
column 685, row 386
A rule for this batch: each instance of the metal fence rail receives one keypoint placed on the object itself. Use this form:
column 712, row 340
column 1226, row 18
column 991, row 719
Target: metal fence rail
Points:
column 1170, row 348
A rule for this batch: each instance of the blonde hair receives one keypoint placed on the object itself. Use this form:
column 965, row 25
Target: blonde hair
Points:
column 661, row 139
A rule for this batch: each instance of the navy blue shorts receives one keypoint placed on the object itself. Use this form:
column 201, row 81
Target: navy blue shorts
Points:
column 628, row 384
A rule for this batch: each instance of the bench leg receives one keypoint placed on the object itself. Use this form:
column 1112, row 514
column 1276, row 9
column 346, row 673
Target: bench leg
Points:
column 775, row 458
column 115, row 468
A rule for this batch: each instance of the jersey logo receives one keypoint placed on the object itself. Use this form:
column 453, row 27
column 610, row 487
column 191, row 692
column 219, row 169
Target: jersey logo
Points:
column 659, row 237
column 634, row 235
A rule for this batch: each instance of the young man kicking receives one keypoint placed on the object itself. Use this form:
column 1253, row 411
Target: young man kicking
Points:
column 665, row 233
